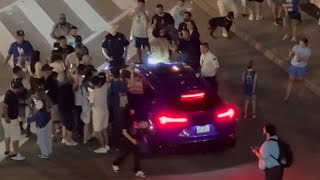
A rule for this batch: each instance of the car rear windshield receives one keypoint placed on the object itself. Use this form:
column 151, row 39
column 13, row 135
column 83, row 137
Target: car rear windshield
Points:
column 173, row 71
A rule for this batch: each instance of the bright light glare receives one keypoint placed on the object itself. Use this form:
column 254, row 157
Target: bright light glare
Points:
column 154, row 61
column 192, row 97
column 165, row 120
column 230, row 114
column 175, row 68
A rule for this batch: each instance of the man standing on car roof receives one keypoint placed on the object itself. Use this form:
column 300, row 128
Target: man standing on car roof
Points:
column 114, row 47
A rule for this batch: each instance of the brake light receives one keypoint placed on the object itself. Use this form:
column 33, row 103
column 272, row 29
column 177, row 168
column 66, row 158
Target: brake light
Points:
column 226, row 114
column 192, row 96
column 166, row 120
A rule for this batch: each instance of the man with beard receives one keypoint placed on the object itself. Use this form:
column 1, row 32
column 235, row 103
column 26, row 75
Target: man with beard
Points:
column 187, row 18
column 189, row 51
column 61, row 28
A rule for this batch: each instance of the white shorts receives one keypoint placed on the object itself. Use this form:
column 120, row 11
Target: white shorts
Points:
column 12, row 130
column 100, row 120
column 86, row 116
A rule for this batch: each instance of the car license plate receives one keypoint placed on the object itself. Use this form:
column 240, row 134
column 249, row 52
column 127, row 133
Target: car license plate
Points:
column 203, row 129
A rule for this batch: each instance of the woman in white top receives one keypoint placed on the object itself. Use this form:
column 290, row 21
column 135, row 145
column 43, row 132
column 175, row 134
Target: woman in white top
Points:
column 35, row 71
column 58, row 67
column 98, row 99
column 71, row 38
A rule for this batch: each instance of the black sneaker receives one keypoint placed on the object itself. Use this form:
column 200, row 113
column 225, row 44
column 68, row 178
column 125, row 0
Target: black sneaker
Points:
column 6, row 153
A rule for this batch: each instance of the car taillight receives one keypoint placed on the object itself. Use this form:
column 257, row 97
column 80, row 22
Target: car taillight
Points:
column 167, row 120
column 196, row 96
column 226, row 114
column 171, row 120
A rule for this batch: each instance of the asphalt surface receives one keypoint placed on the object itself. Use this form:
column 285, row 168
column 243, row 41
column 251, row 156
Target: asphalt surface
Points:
column 297, row 121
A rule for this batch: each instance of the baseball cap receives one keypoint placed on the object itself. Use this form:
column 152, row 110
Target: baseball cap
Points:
column 46, row 67
column 16, row 83
column 20, row 32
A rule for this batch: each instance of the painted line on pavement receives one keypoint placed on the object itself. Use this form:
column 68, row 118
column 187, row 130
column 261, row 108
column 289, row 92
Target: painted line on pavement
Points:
column 124, row 4
column 87, row 14
column 114, row 21
column 3, row 147
column 6, row 40
column 8, row 8
column 38, row 17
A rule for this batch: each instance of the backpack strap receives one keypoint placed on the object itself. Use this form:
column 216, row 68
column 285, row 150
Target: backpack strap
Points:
column 275, row 140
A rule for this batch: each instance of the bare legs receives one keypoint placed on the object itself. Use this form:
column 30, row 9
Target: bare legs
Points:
column 246, row 106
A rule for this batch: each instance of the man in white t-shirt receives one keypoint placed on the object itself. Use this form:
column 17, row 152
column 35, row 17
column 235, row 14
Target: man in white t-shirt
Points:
column 209, row 65
column 139, row 30
column 178, row 13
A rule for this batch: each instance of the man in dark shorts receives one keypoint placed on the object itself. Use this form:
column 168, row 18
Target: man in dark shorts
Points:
column 66, row 107
column 139, row 31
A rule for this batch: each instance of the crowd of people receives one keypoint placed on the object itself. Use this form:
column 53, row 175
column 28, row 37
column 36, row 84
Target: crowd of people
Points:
column 66, row 97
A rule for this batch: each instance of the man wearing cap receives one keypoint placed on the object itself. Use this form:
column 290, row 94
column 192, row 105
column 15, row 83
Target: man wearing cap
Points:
column 61, row 28
column 10, row 122
column 19, row 48
column 51, row 86
column 114, row 47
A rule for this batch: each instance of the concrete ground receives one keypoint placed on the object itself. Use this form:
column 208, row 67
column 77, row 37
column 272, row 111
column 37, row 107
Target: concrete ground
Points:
column 297, row 122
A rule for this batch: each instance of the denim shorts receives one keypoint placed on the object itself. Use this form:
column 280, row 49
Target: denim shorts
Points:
column 297, row 71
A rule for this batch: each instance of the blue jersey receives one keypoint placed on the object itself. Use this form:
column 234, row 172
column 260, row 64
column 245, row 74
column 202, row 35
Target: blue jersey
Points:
column 248, row 82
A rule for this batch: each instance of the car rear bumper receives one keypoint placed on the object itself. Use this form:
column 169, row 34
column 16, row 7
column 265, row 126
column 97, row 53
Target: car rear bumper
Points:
column 156, row 140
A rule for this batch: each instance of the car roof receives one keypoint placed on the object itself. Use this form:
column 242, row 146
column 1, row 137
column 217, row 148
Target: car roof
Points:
column 171, row 78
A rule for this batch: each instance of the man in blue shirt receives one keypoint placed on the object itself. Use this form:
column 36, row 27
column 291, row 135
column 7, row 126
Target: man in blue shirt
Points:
column 268, row 154
column 18, row 48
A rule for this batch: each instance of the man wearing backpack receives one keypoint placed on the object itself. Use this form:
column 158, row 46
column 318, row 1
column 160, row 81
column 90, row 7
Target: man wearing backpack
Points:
column 270, row 154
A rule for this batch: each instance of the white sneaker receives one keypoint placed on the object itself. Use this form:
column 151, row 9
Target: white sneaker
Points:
column 41, row 156
column 258, row 18
column 225, row 35
column 293, row 39
column 107, row 147
column 101, row 150
column 116, row 169
column 141, row 174
column 71, row 143
column 285, row 37
column 63, row 141
column 251, row 17
column 18, row 157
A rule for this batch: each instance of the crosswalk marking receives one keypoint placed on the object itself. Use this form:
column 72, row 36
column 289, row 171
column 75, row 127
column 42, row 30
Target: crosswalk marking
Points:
column 87, row 14
column 37, row 17
column 6, row 40
column 124, row 4
column 3, row 147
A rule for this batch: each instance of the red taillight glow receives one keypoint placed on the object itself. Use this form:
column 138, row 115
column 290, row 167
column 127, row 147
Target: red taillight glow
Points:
column 226, row 114
column 166, row 120
column 192, row 96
